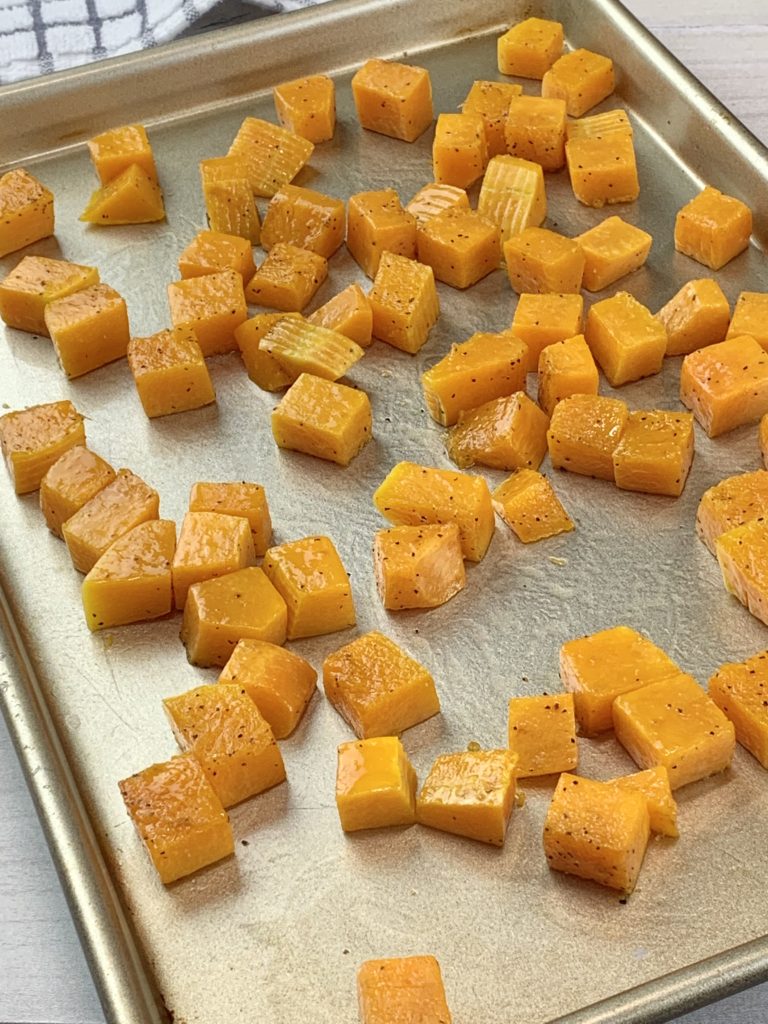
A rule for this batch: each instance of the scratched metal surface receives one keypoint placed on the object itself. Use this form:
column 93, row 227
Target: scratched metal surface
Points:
column 283, row 925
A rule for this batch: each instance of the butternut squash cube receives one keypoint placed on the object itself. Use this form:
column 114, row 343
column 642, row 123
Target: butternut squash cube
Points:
column 212, row 251
column 210, row 544
column 542, row 320
column 484, row 367
column 713, row 228
column 726, row 385
column 600, row 126
column 732, row 502
column 114, row 151
column 535, row 130
column 273, row 156
column 307, row 107
column 311, row 578
column 470, row 794
column 212, row 306
column 530, row 48
column 581, row 78
column 133, row 197
column 418, row 566
column 459, row 150
column 763, row 436
column 222, row 727
column 529, row 506
column 404, row 302
column 506, row 433
column 74, row 478
column 512, row 195
column 461, row 247
column 599, row 668
column 612, row 249
column 241, row 499
column 178, row 817
column 411, row 495
column 375, row 784
column 653, row 784
column 603, row 169
column 393, row 99
column 302, row 347
column 542, row 734
column 26, row 211
column 740, row 690
column 566, row 368
column 321, row 418
column 655, row 452
column 584, row 432
column 114, row 510
column 750, row 316
column 33, row 283
column 349, row 313
column 33, row 439
column 132, row 581
column 539, row 260
column 88, row 328
column 406, row 989
column 169, row 372
column 287, row 279
column 279, row 682
column 263, row 369
column 223, row 610
column 674, row 723
column 436, row 198
column 377, row 223
column 306, row 219
column 742, row 554
column 625, row 339
column 697, row 316
column 229, row 201
column 377, row 688
column 491, row 100
column 596, row 830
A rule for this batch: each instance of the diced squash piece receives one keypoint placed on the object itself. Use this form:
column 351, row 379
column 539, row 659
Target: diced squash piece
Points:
column 530, row 48
column 404, row 302
column 539, row 260
column 418, row 566
column 393, row 99
column 484, row 367
column 307, row 107
column 461, row 246
column 328, row 420
column 287, row 279
column 222, row 727
column 229, row 201
column 436, row 198
column 512, row 195
column 743, row 556
column 306, row 219
column 598, row 831
column 223, row 610
column 132, row 581
column 377, row 223
column 375, row 784
column 740, row 690
column 566, row 368
column 33, row 283
column 405, row 989
column 212, row 251
column 26, row 210
column 732, row 502
column 584, row 432
column 241, row 499
column 279, row 682
column 377, row 688
column 726, row 385
column 599, row 668
column 178, row 817
column 530, row 508
column 459, row 150
column 169, row 372
column 74, row 478
column 655, row 452
column 603, row 169
column 33, row 439
column 750, row 316
column 599, row 126
column 411, row 495
column 273, row 156
column 470, row 794
column 133, row 197
column 311, row 578
column 535, row 130
column 542, row 734
column 674, row 723
column 506, row 433
column 212, row 306
column 88, row 328
column 654, row 785
column 697, row 316
column 763, row 437
column 263, row 369
column 114, row 151
column 612, row 249
column 581, row 78
column 349, row 313
column 491, row 100
column 210, row 544
column 713, row 228
column 114, row 510
column 625, row 339
column 303, row 347
column 544, row 319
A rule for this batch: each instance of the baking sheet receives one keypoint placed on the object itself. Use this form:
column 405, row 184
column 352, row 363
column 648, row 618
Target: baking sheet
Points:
column 282, row 926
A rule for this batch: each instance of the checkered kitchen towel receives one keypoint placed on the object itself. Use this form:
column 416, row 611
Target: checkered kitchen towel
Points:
column 40, row 36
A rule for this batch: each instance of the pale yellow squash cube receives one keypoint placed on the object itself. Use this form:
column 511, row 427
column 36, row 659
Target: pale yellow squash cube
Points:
column 319, row 417
column 349, row 313
column 625, row 339
column 535, row 130
column 313, row 582
column 740, row 690
column 306, row 219
column 436, row 198
column 263, row 369
column 603, row 169
column 404, row 989
column 461, row 246
column 726, row 385
column 697, row 316
column 505, row 433
column 581, row 78
column 539, row 260
column 418, row 566
column 241, row 499
column 88, row 329
column 612, row 249
column 33, row 439
column 272, row 156
column 287, row 279
column 654, row 785
column 115, row 150
column 303, row 347
column 584, row 432
column 169, row 372
column 74, row 478
column 377, row 223
column 35, row 282
column 529, row 506
column 26, row 210
column 404, row 302
column 459, row 150
column 599, row 126
column 544, row 319
column 750, row 316
column 713, row 228
column 655, row 452
column 133, row 197
column 210, row 544
column 375, row 784
column 393, row 99
column 566, row 368
column 542, row 734
column 513, row 195
column 307, row 107
column 212, row 251
column 530, row 48
column 732, row 502
column 491, row 100
column 212, row 306
column 229, row 202
column 743, row 556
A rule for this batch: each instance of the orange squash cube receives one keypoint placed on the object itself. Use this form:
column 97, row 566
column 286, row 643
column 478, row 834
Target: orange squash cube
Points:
column 461, row 247
column 581, row 78
column 544, row 319
column 740, row 690
column 287, row 279
column 393, row 99
column 529, row 506
column 418, row 566
column 272, row 155
column 742, row 554
column 169, row 372
column 513, row 195
column 732, row 502
column 349, row 313
column 600, row 126
column 302, row 347
column 210, row 544
column 375, row 784
column 436, row 198
column 750, row 316
column 542, row 734
column 654, row 785
column 263, row 369
column 539, row 260
column 212, row 251
column 212, row 306
column 535, row 130
column 33, row 283
column 26, row 211
column 74, row 478
column 763, row 436
column 33, row 439
column 459, row 150
column 506, row 433
column 114, row 151
column 530, row 48
column 307, row 107
column 566, row 368
column 229, row 202
column 328, row 420
column 655, row 452
column 377, row 223
column 404, row 302
column 603, row 169
column 306, row 219
column 241, row 499
column 491, row 100
column 584, row 432
column 713, row 228
column 726, row 385
column 612, row 249
column 88, row 329
column 406, row 989
column 133, row 197
column 697, row 316
column 625, row 339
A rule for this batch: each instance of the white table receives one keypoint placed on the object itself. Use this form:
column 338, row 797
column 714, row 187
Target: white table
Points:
column 43, row 974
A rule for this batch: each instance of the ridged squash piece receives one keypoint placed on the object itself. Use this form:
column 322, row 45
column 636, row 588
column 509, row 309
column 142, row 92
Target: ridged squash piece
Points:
column 535, row 130
column 435, row 198
column 306, row 219
column 377, row 688
column 319, row 417
column 169, row 372
column 612, row 249
column 697, row 316
column 404, row 302
column 349, row 313
column 566, row 368
column 506, row 433
column 303, row 347
column 545, row 319
column 726, row 385
column 740, row 690
column 513, row 195
column 114, row 151
column 654, row 785
column 26, row 210
column 529, row 506
column 33, row 283
column 133, row 197
column 238, row 498
column 603, row 168
column 287, row 279
column 272, row 155
column 33, row 439
column 713, row 228
column 263, row 369
column 459, row 150
column 599, row 126
column 732, row 502
column 377, row 223
column 212, row 251
column 491, row 100
column 132, row 581
column 655, row 452
column 393, row 99
column 584, row 432
column 74, row 478
column 542, row 734
column 212, row 306
column 530, row 48
column 581, row 78
column 375, row 784
column 307, row 107
column 418, row 566
column 411, row 495
column 406, row 989
column 88, row 328
column 229, row 202
column 540, row 260
column 461, row 246
column 210, row 544
column 625, row 339
column 743, row 556
column 750, row 316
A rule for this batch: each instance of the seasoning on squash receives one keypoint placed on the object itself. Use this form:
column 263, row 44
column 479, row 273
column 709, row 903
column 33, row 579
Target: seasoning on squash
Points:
column 306, row 219
column 740, row 690
column 653, row 784
column 238, row 498
column 625, row 339
column 655, row 452
column 404, row 302
column 212, row 306
column 407, row 989
column 210, row 544
column 287, row 279
column 169, row 372
column 697, row 316
column 349, row 313
column 33, row 283
column 750, row 316
column 375, row 784
column 603, row 168
column 307, row 107
column 584, row 432
column 319, row 417
column 530, row 48
column 542, row 734
column 566, row 368
column 461, row 246
column 540, row 260
column 262, row 368
column 535, row 130
column 418, row 566
column 393, row 99
column 505, row 433
column 581, row 78
column 212, row 251
column 114, row 151
column 491, row 100
column 377, row 223
column 530, row 508
column 26, row 210
column 272, row 156
column 33, row 439
column 229, row 202
column 133, row 197
column 713, row 228
column 544, row 319
column 74, row 478
column 732, row 502
column 726, row 385
column 303, row 347
column 89, row 328
column 459, row 149
column 742, row 553
column 612, row 249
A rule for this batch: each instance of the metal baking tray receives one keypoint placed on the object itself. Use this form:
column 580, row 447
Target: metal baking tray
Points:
column 275, row 934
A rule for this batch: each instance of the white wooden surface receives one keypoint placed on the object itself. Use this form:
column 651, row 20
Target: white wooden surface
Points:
column 43, row 975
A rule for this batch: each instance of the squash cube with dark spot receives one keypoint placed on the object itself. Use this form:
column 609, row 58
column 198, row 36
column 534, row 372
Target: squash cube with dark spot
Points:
column 540, row 260
column 506, row 433
column 169, row 372
column 229, row 202
column 461, row 246
column 697, row 316
column 513, row 195
column 33, row 439
column 732, row 502
column 287, row 279
column 213, row 306
column 603, row 169
column 404, row 989
column 133, row 197
column 459, row 150
column 210, row 544
column 530, row 48
column 114, row 151
column 726, row 385
column 272, row 156
column 655, row 452
column 750, row 316
column 542, row 734
column 304, row 218
column 542, row 320
column 262, row 368
column 33, row 283
column 418, row 566
column 584, row 432
column 566, row 368
column 377, row 223
column 319, row 417
column 307, row 107
column 713, row 228
column 212, row 251
column 491, row 100
column 740, row 690
column 74, row 478
column 26, row 211
column 393, row 99
column 404, row 302
column 529, row 506
column 88, row 329
column 627, row 341
column 535, row 130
